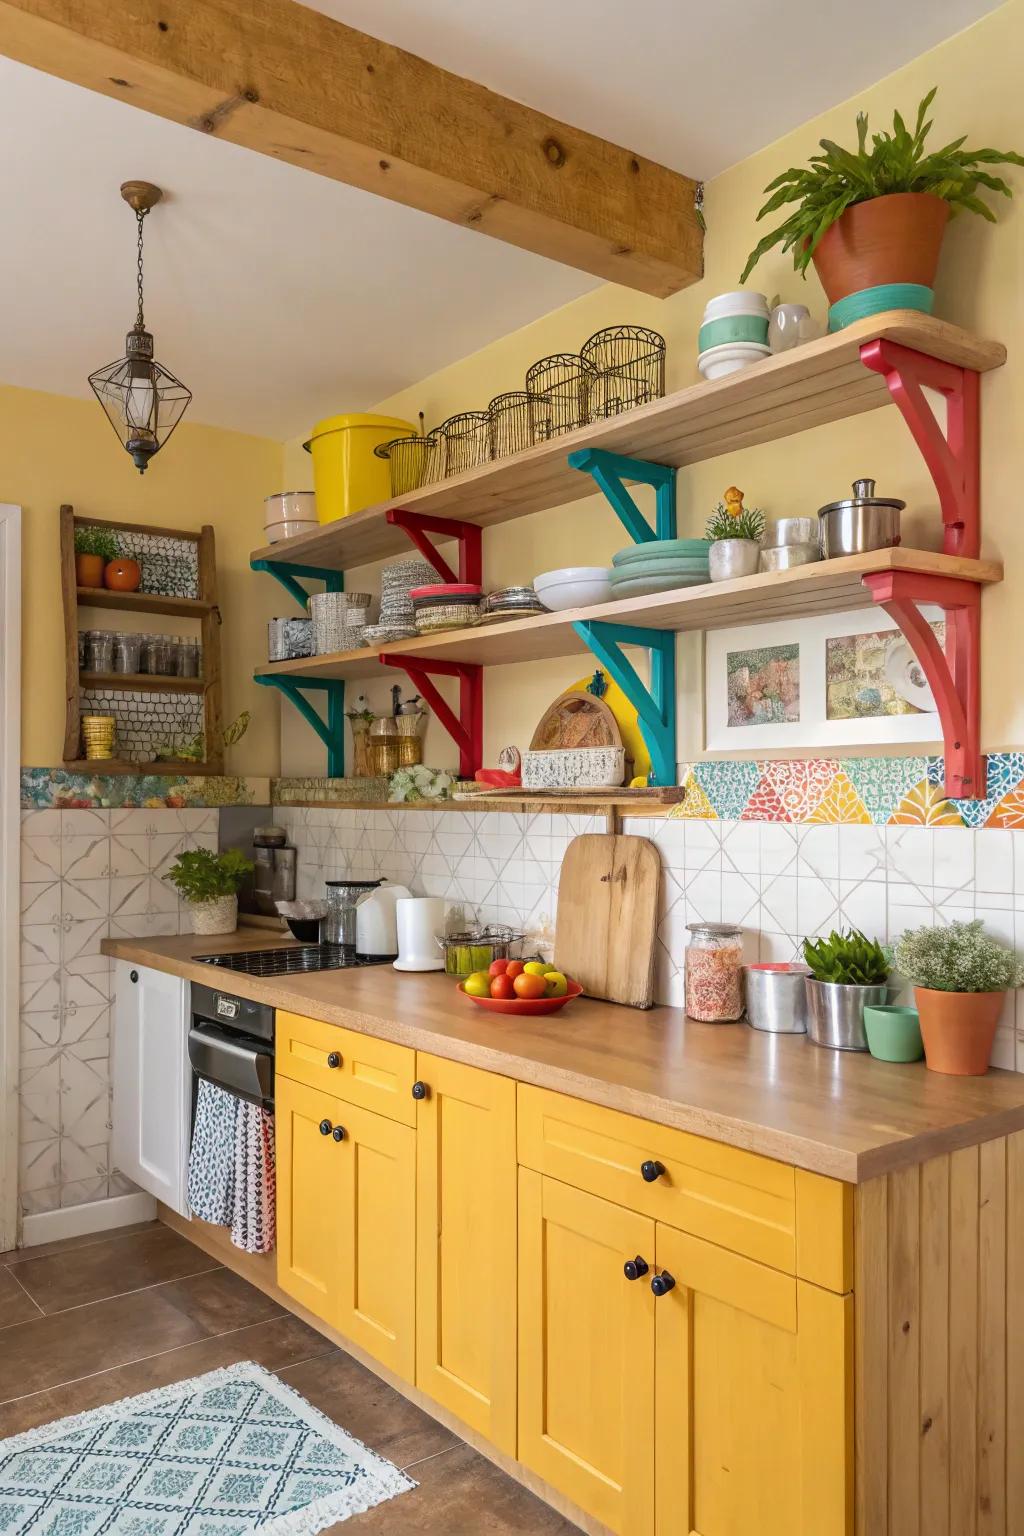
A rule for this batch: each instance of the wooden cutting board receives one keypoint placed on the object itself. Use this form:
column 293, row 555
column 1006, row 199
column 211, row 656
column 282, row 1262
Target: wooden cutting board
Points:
column 607, row 921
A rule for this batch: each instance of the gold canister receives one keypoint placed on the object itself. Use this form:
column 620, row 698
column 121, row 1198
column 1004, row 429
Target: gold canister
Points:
column 410, row 751
column 383, row 755
column 98, row 736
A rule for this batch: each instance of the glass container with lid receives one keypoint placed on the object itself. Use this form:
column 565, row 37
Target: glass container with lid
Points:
column 343, row 896
column 713, row 972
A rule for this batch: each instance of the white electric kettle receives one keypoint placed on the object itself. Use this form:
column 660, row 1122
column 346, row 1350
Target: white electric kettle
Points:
column 376, row 925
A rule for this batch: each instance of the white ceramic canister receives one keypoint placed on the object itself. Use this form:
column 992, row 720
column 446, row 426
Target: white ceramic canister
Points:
column 377, row 922
column 419, row 920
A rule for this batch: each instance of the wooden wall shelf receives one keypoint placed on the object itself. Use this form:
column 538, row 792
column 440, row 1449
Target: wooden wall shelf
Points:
column 142, row 682
column 143, row 602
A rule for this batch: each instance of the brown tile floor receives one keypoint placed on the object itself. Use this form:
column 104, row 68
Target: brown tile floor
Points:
column 95, row 1319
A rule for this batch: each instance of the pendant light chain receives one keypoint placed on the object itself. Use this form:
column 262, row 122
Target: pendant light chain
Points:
column 140, row 322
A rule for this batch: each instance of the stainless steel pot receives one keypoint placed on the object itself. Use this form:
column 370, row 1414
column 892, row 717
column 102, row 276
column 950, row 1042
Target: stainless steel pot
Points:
column 783, row 557
column 795, row 530
column 777, row 998
column 835, row 1012
column 863, row 522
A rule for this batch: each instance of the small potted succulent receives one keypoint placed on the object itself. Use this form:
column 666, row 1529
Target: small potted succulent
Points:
column 735, row 534
column 961, row 976
column 874, row 217
column 848, row 973
column 210, row 883
column 94, row 549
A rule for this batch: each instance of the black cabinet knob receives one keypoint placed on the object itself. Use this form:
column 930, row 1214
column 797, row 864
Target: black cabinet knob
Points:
column 338, row 1133
column 663, row 1283
column 334, row 1059
column 634, row 1269
column 133, row 975
column 420, row 1090
column 325, row 1127
column 650, row 1170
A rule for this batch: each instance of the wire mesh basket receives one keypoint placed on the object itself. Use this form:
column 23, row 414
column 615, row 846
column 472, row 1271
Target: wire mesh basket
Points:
column 566, row 381
column 629, row 361
column 412, row 461
column 517, row 420
column 466, row 441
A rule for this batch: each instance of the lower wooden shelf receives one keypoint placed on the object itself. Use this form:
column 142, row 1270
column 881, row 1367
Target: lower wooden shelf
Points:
column 101, row 766
column 141, row 682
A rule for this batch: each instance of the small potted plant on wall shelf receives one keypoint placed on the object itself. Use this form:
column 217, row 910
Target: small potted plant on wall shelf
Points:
column 961, row 976
column 735, row 534
column 210, row 883
column 848, row 973
column 94, row 549
column 872, row 219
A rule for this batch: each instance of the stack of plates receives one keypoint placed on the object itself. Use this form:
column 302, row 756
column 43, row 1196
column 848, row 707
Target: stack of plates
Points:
column 396, row 583
column 510, row 603
column 660, row 565
column 445, row 605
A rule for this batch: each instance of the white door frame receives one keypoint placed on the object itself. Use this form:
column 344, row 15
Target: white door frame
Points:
column 10, row 862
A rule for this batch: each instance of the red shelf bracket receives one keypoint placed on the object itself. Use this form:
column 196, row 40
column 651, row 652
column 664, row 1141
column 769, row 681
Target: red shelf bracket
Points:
column 953, row 673
column 417, row 525
column 467, row 727
column 953, row 458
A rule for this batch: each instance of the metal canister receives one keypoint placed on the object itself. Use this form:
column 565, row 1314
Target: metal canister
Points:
column 777, row 998
column 862, row 522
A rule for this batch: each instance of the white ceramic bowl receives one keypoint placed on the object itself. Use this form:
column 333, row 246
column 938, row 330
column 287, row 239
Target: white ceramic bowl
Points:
column 740, row 302
column 575, row 586
column 716, row 362
column 288, row 528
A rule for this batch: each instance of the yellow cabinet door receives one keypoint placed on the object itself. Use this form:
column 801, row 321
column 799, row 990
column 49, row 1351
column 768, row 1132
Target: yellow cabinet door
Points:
column 308, row 1209
column 754, row 1397
column 586, row 1351
column 375, row 1190
column 466, row 1246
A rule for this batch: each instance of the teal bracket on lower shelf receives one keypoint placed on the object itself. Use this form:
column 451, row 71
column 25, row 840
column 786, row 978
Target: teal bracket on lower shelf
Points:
column 332, row 730
column 287, row 575
column 611, row 470
column 656, row 705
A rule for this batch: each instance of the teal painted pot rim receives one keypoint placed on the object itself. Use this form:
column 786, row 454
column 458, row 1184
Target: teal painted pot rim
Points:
column 874, row 301
column 716, row 333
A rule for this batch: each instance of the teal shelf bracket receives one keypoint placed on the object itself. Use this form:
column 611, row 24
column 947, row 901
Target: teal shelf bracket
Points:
column 330, row 730
column 656, row 706
column 611, row 470
column 287, row 575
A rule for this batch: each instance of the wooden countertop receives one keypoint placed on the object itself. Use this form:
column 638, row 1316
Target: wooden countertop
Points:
column 837, row 1113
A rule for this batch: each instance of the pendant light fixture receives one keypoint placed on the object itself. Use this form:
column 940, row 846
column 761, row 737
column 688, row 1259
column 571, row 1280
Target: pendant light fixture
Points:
column 143, row 401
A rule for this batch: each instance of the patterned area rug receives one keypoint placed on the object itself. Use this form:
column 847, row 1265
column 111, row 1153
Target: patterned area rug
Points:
column 220, row 1455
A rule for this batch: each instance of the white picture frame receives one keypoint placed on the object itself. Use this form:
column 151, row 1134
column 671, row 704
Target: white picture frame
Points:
column 811, row 727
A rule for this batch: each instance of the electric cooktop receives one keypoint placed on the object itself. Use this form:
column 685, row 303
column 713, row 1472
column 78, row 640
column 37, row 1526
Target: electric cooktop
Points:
column 289, row 962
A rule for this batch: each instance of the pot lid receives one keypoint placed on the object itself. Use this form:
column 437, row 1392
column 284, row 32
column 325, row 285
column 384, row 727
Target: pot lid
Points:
column 717, row 930
column 863, row 496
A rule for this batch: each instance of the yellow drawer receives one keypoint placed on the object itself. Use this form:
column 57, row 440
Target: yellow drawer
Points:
column 738, row 1200
column 374, row 1074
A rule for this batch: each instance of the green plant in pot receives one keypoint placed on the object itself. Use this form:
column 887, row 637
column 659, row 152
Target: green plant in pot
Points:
column 961, row 976
column 94, row 549
column 734, row 533
column 874, row 217
column 210, row 883
column 848, row 973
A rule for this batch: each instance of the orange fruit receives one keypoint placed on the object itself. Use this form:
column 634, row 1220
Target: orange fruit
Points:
column 528, row 986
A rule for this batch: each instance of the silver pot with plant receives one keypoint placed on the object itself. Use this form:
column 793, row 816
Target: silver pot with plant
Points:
column 961, row 976
column 734, row 533
column 210, row 883
column 848, row 973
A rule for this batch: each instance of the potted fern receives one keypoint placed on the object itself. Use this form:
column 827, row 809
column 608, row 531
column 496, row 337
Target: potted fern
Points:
column 848, row 973
column 735, row 534
column 961, row 976
column 210, row 883
column 875, row 217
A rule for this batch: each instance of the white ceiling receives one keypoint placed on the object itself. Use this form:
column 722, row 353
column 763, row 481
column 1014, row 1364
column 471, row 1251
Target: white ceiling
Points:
column 281, row 297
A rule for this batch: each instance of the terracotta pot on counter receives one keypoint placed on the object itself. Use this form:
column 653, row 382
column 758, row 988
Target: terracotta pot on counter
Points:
column 958, row 1029
column 893, row 239
column 122, row 575
column 89, row 570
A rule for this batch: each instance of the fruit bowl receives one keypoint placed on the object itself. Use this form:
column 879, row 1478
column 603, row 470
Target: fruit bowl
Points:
column 524, row 1004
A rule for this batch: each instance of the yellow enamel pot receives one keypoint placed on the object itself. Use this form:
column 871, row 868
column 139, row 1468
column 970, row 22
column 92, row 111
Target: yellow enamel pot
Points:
column 346, row 473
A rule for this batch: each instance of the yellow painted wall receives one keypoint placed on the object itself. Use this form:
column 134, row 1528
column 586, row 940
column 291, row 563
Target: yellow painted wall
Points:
column 54, row 449
column 980, row 285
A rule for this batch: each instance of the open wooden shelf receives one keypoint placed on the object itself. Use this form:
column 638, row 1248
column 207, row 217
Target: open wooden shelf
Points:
column 141, row 682
column 820, row 382
column 830, row 586
column 103, row 765
column 143, row 602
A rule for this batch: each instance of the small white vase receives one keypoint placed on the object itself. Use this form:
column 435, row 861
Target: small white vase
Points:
column 217, row 916
column 728, row 558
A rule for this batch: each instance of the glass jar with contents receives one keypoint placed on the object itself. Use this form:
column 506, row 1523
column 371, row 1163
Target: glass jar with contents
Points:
column 99, row 650
column 714, row 974
column 188, row 658
column 127, row 651
column 158, row 655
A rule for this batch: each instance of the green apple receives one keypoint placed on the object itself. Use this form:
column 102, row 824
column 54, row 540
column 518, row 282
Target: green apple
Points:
column 557, row 984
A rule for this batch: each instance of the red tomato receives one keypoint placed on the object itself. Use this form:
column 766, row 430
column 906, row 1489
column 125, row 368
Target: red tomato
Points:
column 502, row 986
column 498, row 967
column 514, row 968
column 529, row 986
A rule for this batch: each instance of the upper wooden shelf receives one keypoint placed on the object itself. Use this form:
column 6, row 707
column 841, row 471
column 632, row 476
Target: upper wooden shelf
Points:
column 830, row 586
column 143, row 602
column 814, row 384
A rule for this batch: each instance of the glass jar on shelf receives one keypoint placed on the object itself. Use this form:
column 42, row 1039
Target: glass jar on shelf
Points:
column 714, row 973
column 188, row 659
column 158, row 653
column 127, row 652
column 99, row 650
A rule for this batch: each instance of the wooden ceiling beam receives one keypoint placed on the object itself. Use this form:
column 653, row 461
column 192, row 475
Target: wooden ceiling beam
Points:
column 292, row 83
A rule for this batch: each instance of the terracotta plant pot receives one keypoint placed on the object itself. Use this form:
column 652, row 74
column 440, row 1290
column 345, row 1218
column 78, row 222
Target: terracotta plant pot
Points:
column 122, row 575
column 894, row 239
column 89, row 570
column 958, row 1029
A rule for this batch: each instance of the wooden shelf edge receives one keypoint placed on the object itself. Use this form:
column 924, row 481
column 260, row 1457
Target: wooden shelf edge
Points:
column 143, row 602
column 141, row 682
column 100, row 767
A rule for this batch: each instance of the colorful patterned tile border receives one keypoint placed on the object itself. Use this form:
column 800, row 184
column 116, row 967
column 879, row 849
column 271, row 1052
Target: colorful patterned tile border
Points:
column 56, row 788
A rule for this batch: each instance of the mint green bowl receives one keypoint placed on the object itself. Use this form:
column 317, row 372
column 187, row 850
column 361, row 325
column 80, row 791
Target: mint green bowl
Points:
column 894, row 1033
column 716, row 333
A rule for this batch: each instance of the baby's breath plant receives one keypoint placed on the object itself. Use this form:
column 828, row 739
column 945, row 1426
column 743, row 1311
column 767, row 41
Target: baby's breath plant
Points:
column 960, row 957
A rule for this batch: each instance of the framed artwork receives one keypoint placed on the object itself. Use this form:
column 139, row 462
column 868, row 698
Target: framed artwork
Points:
column 834, row 680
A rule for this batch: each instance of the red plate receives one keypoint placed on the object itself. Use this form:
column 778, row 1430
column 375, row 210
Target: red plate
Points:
column 525, row 1004
column 447, row 589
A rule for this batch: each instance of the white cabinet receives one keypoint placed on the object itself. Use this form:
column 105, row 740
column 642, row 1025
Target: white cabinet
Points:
column 152, row 1082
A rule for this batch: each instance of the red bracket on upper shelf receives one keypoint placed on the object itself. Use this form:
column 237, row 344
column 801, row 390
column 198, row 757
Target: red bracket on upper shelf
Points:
column 953, row 458
column 953, row 673
column 467, row 728
column 417, row 525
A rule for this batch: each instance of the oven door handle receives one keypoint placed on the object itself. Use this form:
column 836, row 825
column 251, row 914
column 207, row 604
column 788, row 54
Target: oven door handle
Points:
column 237, row 1066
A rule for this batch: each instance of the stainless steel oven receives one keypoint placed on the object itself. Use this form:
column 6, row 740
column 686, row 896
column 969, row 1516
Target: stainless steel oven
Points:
column 231, row 1044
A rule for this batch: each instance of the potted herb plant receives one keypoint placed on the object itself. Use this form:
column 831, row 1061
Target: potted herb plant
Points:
column 210, row 883
column 735, row 534
column 848, row 972
column 94, row 548
column 875, row 216
column 961, row 975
